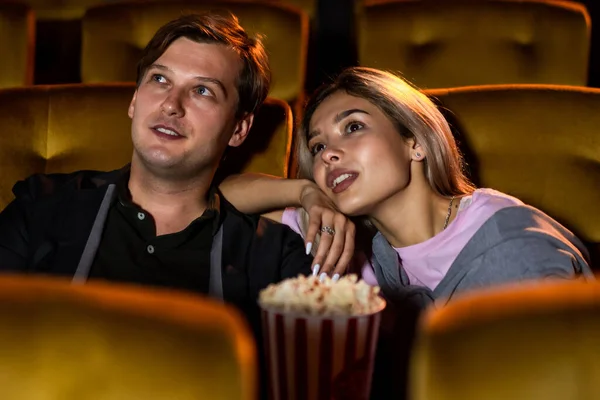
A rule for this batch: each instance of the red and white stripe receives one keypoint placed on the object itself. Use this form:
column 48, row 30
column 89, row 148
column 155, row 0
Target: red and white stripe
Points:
column 312, row 357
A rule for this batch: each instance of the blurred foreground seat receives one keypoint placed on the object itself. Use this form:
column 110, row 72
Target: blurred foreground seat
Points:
column 64, row 128
column 539, row 143
column 100, row 341
column 537, row 341
column 440, row 44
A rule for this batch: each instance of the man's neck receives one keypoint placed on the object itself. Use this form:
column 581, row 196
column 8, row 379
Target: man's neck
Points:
column 173, row 204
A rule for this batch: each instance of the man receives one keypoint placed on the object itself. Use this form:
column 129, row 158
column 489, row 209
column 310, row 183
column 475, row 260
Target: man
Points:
column 160, row 221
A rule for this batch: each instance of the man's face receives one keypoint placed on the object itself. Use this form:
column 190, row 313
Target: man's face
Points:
column 183, row 112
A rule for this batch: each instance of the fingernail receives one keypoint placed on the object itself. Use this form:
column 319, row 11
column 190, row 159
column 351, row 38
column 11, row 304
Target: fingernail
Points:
column 308, row 248
column 316, row 269
column 335, row 277
column 323, row 276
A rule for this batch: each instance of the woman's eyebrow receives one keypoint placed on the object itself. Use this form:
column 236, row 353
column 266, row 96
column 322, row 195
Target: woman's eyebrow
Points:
column 346, row 113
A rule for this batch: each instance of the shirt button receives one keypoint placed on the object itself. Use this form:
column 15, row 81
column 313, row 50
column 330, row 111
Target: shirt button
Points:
column 141, row 216
column 150, row 249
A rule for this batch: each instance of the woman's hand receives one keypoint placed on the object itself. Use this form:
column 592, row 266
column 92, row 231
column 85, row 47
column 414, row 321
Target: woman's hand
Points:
column 336, row 245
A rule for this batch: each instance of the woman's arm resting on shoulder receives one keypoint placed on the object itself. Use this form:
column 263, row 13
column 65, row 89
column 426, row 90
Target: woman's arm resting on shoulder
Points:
column 262, row 194
column 269, row 195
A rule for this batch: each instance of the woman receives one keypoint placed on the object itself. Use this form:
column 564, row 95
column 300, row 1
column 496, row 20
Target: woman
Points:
column 380, row 149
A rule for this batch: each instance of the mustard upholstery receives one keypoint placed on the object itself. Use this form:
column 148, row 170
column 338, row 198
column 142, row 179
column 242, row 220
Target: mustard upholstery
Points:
column 538, row 341
column 440, row 44
column 17, row 44
column 63, row 128
column 100, row 341
column 308, row 6
column 539, row 143
column 59, row 9
column 74, row 9
column 115, row 34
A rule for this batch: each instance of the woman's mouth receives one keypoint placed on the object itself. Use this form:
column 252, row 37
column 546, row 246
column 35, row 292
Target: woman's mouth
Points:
column 343, row 182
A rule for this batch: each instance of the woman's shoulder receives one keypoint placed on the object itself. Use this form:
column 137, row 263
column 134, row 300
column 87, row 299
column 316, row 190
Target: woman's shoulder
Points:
column 510, row 211
column 492, row 198
column 291, row 218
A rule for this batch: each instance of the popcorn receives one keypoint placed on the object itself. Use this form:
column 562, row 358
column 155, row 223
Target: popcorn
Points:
column 308, row 295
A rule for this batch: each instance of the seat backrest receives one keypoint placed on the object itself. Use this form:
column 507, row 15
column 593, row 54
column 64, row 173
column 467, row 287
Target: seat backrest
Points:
column 538, row 341
column 440, row 44
column 74, row 9
column 59, row 9
column 115, row 34
column 106, row 341
column 539, row 143
column 17, row 44
column 308, row 6
column 64, row 128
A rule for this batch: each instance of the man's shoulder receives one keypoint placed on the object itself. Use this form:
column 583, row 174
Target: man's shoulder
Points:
column 40, row 186
column 272, row 251
column 262, row 227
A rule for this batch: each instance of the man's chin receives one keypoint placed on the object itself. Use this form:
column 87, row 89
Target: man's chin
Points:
column 169, row 168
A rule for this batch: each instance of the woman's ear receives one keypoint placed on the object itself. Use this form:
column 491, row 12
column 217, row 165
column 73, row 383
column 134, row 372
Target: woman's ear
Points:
column 416, row 151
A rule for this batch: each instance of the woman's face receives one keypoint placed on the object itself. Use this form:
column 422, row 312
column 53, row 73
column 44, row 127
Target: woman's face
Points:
column 359, row 158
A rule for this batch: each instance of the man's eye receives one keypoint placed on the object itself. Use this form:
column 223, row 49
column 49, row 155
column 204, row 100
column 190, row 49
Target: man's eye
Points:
column 203, row 91
column 158, row 78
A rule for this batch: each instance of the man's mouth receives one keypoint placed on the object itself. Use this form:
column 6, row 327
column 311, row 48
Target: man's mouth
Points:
column 166, row 132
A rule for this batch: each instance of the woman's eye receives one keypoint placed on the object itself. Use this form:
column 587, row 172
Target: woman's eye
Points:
column 317, row 148
column 353, row 127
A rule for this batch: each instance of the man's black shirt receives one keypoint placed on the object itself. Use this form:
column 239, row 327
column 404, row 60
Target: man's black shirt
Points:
column 131, row 252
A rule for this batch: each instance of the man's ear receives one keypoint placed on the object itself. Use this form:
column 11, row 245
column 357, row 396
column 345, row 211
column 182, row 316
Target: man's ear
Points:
column 131, row 109
column 242, row 128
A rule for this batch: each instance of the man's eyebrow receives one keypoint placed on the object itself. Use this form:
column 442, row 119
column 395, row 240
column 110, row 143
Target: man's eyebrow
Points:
column 159, row 66
column 198, row 78
column 346, row 113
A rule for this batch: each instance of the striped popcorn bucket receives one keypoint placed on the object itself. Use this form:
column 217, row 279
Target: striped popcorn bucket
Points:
column 312, row 357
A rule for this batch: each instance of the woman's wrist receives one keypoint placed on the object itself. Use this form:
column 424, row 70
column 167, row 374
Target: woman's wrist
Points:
column 307, row 187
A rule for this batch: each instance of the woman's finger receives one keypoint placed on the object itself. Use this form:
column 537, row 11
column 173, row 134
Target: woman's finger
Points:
column 344, row 262
column 324, row 243
column 314, row 224
column 337, row 245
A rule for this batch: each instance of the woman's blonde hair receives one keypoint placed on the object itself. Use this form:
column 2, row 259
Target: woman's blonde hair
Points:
column 413, row 114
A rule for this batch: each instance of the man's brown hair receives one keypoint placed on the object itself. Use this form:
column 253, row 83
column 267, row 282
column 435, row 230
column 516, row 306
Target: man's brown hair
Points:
column 255, row 75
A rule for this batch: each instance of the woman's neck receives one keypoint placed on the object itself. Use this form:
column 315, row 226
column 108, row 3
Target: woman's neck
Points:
column 412, row 215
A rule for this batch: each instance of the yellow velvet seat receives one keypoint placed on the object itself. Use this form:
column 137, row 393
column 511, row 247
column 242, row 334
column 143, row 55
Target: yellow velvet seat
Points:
column 59, row 9
column 539, row 341
column 539, row 143
column 308, row 6
column 63, row 128
column 440, row 44
column 115, row 34
column 74, row 9
column 17, row 44
column 103, row 341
